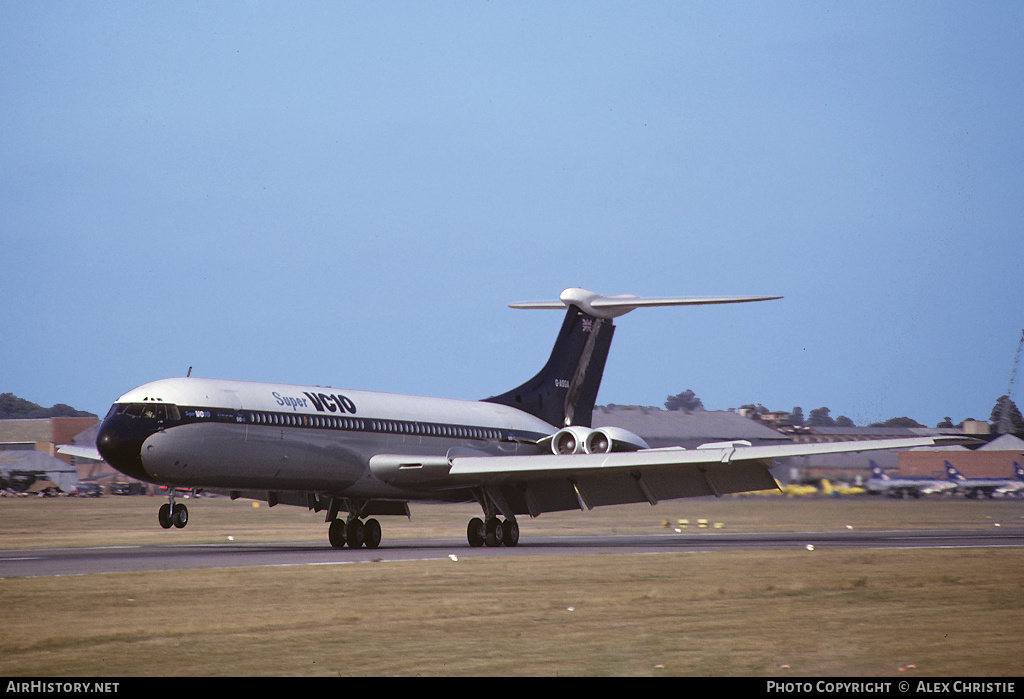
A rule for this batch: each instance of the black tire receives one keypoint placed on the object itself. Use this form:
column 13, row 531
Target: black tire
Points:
column 493, row 532
column 163, row 515
column 354, row 533
column 180, row 516
column 336, row 534
column 510, row 533
column 371, row 534
column 475, row 532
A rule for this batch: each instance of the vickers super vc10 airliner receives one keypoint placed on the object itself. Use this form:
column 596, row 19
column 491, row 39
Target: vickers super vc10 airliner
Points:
column 525, row 452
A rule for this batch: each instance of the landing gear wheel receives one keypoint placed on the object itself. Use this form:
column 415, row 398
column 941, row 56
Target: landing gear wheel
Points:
column 371, row 534
column 179, row 516
column 163, row 515
column 336, row 534
column 354, row 534
column 510, row 534
column 475, row 532
column 493, row 532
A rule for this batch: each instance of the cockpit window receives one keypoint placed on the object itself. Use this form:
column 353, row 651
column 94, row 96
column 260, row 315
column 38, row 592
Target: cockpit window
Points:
column 151, row 411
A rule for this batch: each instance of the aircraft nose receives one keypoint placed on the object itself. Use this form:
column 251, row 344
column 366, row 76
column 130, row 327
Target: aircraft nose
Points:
column 107, row 442
column 124, row 455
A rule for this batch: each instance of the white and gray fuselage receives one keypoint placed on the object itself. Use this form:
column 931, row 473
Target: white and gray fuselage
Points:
column 234, row 435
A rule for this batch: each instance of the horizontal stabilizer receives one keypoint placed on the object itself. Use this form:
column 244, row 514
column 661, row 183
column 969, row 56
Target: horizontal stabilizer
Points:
column 601, row 306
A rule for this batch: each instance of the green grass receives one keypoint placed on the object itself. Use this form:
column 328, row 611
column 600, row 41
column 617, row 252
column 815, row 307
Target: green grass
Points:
column 762, row 613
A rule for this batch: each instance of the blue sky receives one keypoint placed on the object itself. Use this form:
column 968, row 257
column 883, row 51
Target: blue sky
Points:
column 349, row 194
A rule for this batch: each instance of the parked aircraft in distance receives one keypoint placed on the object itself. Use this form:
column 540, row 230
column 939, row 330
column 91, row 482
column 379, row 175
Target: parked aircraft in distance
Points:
column 1016, row 488
column 837, row 490
column 906, row 487
column 524, row 452
column 986, row 487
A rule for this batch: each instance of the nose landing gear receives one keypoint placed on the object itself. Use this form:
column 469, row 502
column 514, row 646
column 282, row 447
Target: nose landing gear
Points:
column 171, row 514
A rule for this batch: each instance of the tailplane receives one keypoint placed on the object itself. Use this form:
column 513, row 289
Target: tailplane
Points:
column 564, row 392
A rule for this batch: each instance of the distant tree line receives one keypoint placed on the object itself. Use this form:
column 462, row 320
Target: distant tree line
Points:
column 1005, row 418
column 14, row 408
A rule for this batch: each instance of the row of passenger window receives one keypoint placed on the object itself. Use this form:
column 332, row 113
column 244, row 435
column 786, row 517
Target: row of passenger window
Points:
column 423, row 429
column 169, row 411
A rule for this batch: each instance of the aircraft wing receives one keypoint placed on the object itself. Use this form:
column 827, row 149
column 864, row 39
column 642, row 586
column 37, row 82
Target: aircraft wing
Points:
column 548, row 483
column 82, row 452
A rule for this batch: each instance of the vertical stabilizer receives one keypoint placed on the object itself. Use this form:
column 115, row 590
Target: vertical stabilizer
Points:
column 565, row 390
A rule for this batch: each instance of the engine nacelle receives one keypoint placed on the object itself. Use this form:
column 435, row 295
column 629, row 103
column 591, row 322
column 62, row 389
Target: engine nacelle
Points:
column 569, row 440
column 603, row 440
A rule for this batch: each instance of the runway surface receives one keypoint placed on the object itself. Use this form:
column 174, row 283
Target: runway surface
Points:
column 86, row 561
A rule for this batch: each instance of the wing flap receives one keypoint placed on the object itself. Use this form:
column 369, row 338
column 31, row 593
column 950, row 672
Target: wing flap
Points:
column 535, row 495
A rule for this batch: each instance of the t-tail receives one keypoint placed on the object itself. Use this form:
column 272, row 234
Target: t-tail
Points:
column 564, row 392
column 953, row 473
column 877, row 472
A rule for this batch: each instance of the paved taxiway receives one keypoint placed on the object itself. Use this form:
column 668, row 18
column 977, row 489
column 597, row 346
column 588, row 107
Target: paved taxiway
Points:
column 84, row 561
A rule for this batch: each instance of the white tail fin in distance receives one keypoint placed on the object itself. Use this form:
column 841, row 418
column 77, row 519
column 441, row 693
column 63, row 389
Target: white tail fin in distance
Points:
column 601, row 306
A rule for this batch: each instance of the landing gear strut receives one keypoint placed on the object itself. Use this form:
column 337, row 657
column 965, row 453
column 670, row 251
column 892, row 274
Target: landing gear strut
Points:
column 172, row 514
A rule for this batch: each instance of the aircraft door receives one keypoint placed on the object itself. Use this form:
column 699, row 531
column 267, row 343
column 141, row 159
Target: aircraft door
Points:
column 233, row 400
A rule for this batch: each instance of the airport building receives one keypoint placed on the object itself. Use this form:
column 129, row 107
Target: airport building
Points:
column 855, row 467
column 29, row 446
column 993, row 459
column 679, row 428
column 43, row 434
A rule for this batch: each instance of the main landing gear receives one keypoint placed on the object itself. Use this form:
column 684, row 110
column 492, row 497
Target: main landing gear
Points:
column 172, row 514
column 492, row 532
column 355, row 533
